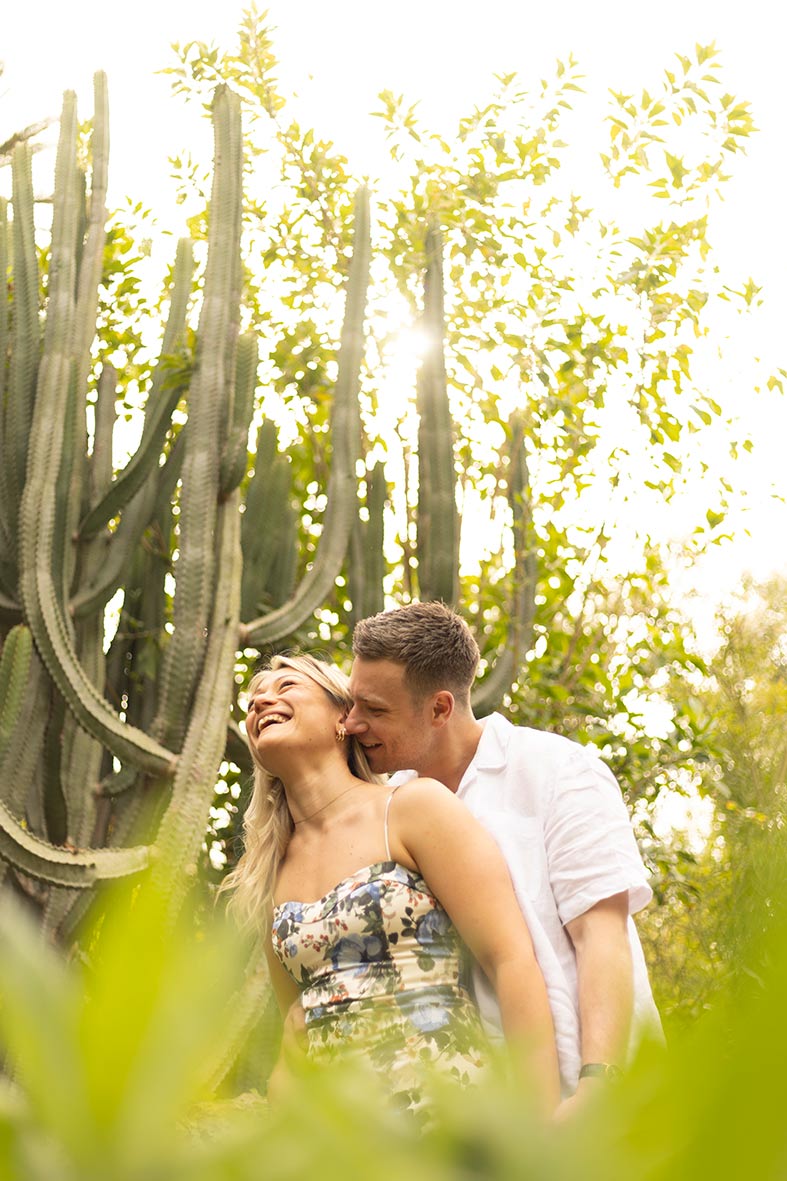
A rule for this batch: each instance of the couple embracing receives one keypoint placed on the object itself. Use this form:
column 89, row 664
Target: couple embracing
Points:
column 507, row 842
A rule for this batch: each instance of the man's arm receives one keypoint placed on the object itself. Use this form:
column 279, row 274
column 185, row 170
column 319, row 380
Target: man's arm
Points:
column 605, row 983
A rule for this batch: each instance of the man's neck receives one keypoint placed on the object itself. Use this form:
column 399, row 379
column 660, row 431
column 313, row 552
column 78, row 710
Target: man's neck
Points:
column 455, row 754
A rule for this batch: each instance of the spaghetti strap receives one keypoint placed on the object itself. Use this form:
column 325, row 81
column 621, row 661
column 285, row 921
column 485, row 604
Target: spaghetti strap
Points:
column 385, row 825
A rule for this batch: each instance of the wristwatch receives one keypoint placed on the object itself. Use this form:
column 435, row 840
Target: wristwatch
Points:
column 605, row 1070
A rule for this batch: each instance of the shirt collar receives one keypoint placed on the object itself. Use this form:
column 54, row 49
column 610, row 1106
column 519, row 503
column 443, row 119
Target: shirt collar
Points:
column 492, row 747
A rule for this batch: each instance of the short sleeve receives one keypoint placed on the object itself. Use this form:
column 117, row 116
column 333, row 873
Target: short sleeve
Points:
column 591, row 850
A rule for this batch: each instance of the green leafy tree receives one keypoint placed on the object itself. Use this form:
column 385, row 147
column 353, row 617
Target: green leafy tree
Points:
column 715, row 902
column 568, row 342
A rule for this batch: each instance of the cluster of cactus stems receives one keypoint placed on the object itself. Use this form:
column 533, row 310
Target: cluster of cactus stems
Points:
column 108, row 760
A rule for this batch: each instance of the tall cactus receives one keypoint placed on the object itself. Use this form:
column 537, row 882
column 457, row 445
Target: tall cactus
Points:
column 367, row 565
column 57, row 499
column 24, row 351
column 210, row 414
column 492, row 690
column 45, row 544
column 268, row 531
column 437, row 516
column 7, row 538
column 120, row 751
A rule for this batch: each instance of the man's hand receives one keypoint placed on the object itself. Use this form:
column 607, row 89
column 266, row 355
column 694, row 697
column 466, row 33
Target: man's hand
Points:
column 575, row 1104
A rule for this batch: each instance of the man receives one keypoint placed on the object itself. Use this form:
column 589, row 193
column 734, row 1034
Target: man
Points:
column 553, row 807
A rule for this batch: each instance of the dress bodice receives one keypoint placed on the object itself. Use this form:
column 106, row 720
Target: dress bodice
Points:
column 379, row 931
column 380, row 966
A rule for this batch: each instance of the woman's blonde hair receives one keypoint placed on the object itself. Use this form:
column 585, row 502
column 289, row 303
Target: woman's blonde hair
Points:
column 267, row 823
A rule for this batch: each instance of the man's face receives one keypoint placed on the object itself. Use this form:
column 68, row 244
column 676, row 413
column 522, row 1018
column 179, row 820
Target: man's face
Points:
column 394, row 729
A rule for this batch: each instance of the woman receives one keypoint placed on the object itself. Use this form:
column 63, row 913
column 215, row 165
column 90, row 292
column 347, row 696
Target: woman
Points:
column 346, row 875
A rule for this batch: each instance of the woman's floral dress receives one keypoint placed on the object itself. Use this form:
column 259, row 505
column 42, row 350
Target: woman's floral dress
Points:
column 380, row 967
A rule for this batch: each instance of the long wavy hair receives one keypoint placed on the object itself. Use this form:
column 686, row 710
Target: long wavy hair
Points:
column 267, row 823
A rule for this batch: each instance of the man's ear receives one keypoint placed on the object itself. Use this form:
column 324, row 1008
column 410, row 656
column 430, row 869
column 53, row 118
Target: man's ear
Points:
column 442, row 707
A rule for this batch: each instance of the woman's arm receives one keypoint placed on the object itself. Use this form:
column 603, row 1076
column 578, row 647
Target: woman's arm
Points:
column 293, row 1037
column 464, row 867
column 284, row 987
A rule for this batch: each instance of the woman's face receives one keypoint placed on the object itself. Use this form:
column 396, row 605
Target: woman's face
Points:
column 288, row 711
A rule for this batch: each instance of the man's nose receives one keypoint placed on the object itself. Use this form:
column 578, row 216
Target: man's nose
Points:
column 353, row 723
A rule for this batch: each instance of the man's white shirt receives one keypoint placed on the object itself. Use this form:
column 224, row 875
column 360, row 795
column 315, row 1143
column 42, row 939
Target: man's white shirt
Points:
column 557, row 813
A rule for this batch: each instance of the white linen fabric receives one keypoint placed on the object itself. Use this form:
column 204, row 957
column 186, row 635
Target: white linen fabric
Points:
column 557, row 813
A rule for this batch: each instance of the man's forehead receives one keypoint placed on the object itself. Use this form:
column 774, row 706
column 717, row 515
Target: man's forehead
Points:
column 370, row 679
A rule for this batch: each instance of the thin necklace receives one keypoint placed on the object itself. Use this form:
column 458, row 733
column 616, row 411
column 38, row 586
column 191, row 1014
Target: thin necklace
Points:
column 311, row 815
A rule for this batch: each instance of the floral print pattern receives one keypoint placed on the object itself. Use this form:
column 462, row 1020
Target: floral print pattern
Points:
column 381, row 971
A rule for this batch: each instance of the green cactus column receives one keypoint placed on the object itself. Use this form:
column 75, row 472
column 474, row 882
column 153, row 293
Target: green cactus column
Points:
column 182, row 830
column 44, row 540
column 210, row 420
column 367, row 556
column 493, row 689
column 15, row 661
column 269, row 529
column 7, row 566
column 19, row 398
column 437, row 519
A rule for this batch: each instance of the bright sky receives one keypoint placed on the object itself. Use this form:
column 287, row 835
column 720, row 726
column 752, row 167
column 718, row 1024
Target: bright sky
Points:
column 338, row 54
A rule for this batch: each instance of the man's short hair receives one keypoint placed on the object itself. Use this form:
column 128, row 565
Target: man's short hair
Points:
column 433, row 643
